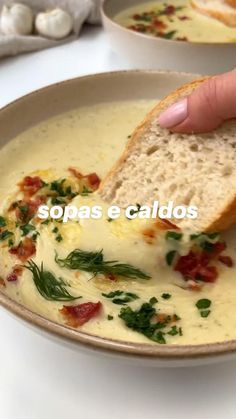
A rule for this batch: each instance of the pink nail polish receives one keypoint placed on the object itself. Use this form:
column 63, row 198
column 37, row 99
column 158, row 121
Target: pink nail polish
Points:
column 174, row 115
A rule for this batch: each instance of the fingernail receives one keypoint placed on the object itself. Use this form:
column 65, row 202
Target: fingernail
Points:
column 174, row 115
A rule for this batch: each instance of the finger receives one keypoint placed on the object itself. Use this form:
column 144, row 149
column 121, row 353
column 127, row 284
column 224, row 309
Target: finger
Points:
column 206, row 108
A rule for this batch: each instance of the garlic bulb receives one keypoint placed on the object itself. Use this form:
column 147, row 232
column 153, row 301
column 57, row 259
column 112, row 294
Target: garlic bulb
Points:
column 55, row 24
column 16, row 19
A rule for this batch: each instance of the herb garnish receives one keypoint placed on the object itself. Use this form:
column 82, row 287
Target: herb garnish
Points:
column 166, row 296
column 203, row 303
column 85, row 191
column 203, row 307
column 143, row 321
column 26, row 229
column 48, row 285
column 123, row 297
column 5, row 235
column 170, row 257
column 204, row 236
column 59, row 238
column 46, row 222
column 94, row 262
column 62, row 193
column 168, row 35
column 174, row 235
column 109, row 317
column 2, row 222
column 205, row 313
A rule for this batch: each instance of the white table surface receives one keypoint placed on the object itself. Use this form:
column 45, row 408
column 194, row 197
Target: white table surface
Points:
column 40, row 379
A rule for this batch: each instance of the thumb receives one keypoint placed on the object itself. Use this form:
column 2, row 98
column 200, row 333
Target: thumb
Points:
column 212, row 103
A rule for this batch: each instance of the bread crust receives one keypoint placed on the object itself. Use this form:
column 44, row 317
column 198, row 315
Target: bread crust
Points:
column 226, row 17
column 231, row 3
column 225, row 219
column 227, row 216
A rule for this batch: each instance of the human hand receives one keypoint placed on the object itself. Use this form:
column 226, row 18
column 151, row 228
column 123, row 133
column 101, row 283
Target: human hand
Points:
column 212, row 103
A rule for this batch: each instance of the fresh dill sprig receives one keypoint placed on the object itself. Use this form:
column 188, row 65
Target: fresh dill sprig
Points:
column 48, row 285
column 94, row 262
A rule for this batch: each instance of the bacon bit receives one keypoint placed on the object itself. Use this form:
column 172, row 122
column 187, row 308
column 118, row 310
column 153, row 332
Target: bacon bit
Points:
column 195, row 266
column 193, row 285
column 136, row 16
column 169, row 10
column 163, row 318
column 24, row 250
column 184, row 18
column 16, row 272
column 111, row 277
column 140, row 27
column 182, row 38
column 12, row 277
column 76, row 316
column 26, row 209
column 226, row 260
column 207, row 274
column 30, row 185
column 18, row 269
column 75, row 172
column 159, row 24
column 93, row 180
column 2, row 282
column 218, row 248
column 149, row 232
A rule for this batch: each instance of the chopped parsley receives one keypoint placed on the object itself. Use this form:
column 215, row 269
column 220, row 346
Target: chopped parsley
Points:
column 10, row 243
column 26, row 229
column 174, row 331
column 174, row 235
column 203, row 303
column 62, row 193
column 85, row 191
column 166, row 296
column 58, row 201
column 46, row 222
column 203, row 307
column 121, row 297
column 205, row 313
column 59, row 238
column 5, row 235
column 204, row 236
column 2, row 222
column 24, row 212
column 168, row 35
column 143, row 321
column 109, row 317
column 170, row 257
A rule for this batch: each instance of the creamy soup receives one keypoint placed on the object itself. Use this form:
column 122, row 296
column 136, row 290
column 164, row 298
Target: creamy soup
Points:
column 175, row 20
column 135, row 280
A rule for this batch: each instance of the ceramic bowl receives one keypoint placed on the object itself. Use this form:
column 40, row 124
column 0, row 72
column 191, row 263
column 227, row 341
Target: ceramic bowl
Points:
column 56, row 99
column 146, row 52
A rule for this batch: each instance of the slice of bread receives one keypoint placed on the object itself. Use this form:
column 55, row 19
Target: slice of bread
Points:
column 189, row 170
column 218, row 9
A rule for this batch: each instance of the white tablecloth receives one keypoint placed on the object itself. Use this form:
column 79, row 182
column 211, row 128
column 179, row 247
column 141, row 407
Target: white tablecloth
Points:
column 41, row 380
